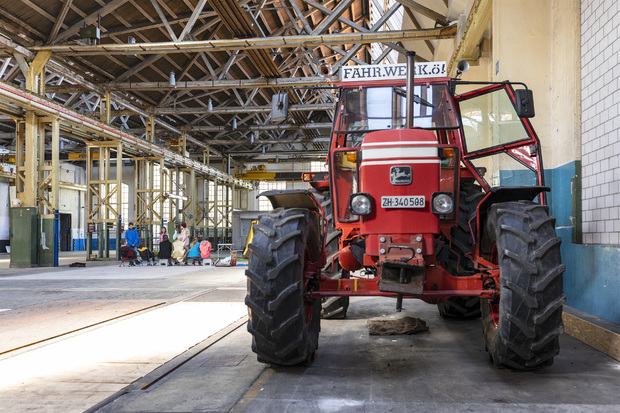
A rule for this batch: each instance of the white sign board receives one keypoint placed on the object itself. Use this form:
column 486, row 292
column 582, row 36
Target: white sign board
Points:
column 391, row 72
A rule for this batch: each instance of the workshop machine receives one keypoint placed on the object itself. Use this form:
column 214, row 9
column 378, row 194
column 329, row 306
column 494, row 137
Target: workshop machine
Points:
column 435, row 191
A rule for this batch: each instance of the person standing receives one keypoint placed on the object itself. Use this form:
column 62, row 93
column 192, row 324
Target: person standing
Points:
column 163, row 232
column 132, row 237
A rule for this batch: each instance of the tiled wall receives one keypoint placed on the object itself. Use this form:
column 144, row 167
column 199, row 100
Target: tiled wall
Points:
column 600, row 126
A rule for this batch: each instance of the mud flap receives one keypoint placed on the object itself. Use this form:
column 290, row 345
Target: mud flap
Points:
column 296, row 198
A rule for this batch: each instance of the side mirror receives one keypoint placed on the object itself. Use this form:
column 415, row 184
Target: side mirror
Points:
column 524, row 103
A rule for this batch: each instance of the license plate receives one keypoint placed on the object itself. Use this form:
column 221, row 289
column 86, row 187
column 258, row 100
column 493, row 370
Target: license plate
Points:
column 415, row 201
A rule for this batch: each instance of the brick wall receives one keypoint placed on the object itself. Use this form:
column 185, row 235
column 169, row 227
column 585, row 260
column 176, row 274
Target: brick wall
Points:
column 600, row 123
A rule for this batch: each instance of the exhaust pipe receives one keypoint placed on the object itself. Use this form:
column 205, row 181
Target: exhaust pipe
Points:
column 410, row 79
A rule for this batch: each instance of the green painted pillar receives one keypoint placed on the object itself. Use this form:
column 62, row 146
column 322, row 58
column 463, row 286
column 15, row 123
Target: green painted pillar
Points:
column 23, row 234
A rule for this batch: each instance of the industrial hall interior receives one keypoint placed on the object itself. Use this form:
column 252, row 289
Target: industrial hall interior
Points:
column 309, row 205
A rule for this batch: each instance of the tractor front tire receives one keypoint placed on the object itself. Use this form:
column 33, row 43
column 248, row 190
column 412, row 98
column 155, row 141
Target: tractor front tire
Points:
column 283, row 320
column 522, row 326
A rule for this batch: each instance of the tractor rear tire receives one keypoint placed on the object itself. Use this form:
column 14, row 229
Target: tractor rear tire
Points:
column 332, row 307
column 463, row 307
column 522, row 326
column 283, row 320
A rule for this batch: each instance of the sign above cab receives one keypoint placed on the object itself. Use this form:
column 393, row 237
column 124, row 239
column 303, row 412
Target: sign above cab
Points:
column 391, row 72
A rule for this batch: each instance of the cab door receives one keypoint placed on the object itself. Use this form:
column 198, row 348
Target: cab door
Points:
column 500, row 147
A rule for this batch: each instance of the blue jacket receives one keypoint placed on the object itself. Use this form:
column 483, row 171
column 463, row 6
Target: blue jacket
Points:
column 132, row 237
column 195, row 251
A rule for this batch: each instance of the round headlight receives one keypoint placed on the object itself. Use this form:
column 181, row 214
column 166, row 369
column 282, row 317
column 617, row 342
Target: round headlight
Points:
column 360, row 204
column 443, row 204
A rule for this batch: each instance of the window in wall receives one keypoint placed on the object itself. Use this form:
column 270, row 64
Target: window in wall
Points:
column 176, row 189
column 318, row 167
column 211, row 197
column 166, row 204
column 124, row 205
column 263, row 203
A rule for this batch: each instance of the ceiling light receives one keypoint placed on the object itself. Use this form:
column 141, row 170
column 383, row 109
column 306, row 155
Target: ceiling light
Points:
column 131, row 40
column 172, row 80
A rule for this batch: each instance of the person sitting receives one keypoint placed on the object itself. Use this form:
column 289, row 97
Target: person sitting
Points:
column 178, row 252
column 165, row 249
column 194, row 253
column 127, row 253
column 177, row 232
column 185, row 234
column 146, row 254
column 205, row 249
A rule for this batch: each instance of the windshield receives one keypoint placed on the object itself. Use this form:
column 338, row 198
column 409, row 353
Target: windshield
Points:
column 384, row 107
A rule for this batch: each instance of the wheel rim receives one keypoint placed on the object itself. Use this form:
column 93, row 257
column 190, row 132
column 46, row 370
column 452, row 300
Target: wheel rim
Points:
column 494, row 302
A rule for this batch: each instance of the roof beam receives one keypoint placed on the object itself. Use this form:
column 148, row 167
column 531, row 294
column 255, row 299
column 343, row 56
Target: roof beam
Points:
column 59, row 20
column 332, row 16
column 91, row 18
column 155, row 25
column 259, row 141
column 236, row 109
column 417, row 25
column 477, row 22
column 164, row 20
column 323, row 125
column 425, row 11
column 252, row 43
column 353, row 25
column 244, row 128
column 192, row 20
column 351, row 53
column 199, row 84
column 226, row 110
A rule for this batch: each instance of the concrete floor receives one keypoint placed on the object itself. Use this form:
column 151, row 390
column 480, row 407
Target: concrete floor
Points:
column 173, row 339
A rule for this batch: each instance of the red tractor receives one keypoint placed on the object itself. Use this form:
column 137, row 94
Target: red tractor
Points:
column 435, row 192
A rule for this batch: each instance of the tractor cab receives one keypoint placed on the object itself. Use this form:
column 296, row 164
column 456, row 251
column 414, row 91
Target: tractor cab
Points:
column 482, row 136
